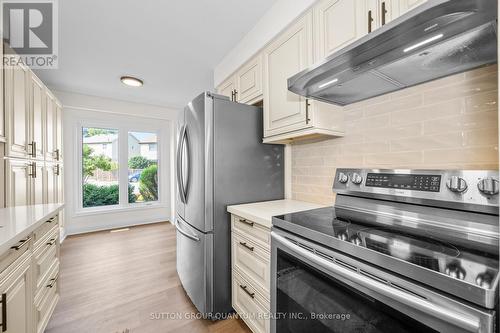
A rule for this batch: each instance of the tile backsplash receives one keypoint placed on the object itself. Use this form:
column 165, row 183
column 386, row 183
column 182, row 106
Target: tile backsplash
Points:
column 443, row 124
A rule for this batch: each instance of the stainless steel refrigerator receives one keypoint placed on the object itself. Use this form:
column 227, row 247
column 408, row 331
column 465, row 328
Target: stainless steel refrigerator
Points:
column 220, row 161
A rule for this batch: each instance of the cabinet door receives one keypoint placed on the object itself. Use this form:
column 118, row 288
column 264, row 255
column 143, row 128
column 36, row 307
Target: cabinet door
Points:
column 2, row 105
column 59, row 172
column 17, row 109
column 285, row 111
column 249, row 81
column 37, row 95
column 18, row 182
column 226, row 88
column 17, row 290
column 59, row 132
column 50, row 180
column 338, row 23
column 406, row 5
column 50, row 126
column 37, row 187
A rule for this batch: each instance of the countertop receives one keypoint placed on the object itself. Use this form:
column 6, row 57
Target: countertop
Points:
column 17, row 223
column 262, row 212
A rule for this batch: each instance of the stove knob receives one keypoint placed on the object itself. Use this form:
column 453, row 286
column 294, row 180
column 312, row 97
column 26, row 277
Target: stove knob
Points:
column 488, row 186
column 456, row 184
column 343, row 236
column 357, row 178
column 455, row 271
column 356, row 240
column 343, row 178
column 484, row 280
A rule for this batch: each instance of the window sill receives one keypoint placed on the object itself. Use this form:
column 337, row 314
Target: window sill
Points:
column 118, row 209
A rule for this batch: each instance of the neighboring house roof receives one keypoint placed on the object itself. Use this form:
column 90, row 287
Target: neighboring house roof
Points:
column 102, row 138
column 149, row 139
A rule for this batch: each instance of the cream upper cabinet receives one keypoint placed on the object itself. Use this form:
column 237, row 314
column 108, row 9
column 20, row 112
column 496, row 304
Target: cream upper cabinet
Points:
column 38, row 195
column 59, row 133
column 337, row 24
column 227, row 88
column 290, row 53
column 50, row 126
column 18, row 182
column 37, row 117
column 50, row 182
column 249, row 81
column 2, row 105
column 19, row 305
column 406, row 5
column 17, row 111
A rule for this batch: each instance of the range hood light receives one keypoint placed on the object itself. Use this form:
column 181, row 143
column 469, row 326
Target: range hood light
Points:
column 424, row 42
column 328, row 83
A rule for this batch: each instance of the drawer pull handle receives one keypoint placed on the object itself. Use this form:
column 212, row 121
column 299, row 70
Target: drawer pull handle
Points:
column 246, row 246
column 51, row 242
column 246, row 222
column 53, row 281
column 4, row 312
column 22, row 244
column 246, row 290
column 50, row 220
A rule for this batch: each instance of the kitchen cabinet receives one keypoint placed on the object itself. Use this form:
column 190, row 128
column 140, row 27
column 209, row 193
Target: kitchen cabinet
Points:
column 17, row 110
column 406, row 5
column 37, row 185
column 18, row 182
column 16, row 291
column 37, row 121
column 288, row 116
column 2, row 105
column 249, row 81
column 51, row 182
column 227, row 88
column 338, row 23
column 59, row 132
column 50, row 126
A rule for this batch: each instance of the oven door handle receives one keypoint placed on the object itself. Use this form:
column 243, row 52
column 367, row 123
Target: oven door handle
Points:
column 458, row 319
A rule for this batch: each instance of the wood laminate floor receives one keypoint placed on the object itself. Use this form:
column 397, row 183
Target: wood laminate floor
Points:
column 116, row 282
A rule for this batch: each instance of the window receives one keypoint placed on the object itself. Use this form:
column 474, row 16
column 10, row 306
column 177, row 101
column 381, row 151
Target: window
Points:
column 142, row 167
column 100, row 173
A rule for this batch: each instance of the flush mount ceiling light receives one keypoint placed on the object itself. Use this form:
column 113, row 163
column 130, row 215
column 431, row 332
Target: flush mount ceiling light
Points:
column 132, row 81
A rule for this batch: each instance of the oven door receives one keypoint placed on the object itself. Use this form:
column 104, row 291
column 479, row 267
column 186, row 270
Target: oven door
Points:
column 315, row 289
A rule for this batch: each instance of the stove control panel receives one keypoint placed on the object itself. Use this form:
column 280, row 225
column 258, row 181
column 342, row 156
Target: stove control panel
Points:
column 414, row 182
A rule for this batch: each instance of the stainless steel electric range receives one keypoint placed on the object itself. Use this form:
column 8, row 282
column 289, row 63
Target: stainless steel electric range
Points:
column 401, row 251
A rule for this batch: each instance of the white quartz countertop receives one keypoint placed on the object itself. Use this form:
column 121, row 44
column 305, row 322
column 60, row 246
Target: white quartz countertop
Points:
column 17, row 223
column 262, row 212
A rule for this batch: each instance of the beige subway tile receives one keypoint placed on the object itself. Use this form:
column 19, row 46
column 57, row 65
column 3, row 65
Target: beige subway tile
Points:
column 481, row 71
column 463, row 155
column 479, row 120
column 462, row 89
column 367, row 123
column 439, row 83
column 482, row 102
column 307, row 161
column 481, row 137
column 318, row 199
column 433, row 111
column 370, row 101
column 346, row 161
column 394, row 159
column 365, row 148
column 438, row 141
column 396, row 132
column 355, row 114
column 392, row 105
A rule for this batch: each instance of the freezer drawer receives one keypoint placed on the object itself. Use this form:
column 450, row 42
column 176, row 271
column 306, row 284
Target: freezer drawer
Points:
column 195, row 265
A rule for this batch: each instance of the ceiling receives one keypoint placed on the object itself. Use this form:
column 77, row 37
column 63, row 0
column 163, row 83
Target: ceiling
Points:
column 172, row 45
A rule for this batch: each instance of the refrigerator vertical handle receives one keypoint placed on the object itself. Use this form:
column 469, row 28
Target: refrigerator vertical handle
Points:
column 186, row 142
column 179, row 163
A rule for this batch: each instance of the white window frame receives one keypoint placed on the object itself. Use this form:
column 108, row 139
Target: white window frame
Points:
column 124, row 126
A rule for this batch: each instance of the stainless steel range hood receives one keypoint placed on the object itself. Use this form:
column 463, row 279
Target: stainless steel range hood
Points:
column 437, row 39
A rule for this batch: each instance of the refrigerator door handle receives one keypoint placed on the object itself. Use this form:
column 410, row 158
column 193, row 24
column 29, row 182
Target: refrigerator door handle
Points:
column 188, row 160
column 180, row 182
column 192, row 237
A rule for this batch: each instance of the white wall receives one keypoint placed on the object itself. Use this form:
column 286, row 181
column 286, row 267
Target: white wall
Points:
column 79, row 108
column 277, row 18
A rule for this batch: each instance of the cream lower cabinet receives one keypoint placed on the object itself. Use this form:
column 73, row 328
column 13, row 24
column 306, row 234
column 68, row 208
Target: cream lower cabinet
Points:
column 29, row 280
column 250, row 256
column 24, row 182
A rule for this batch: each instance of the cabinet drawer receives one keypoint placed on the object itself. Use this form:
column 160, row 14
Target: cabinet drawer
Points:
column 46, row 303
column 252, row 262
column 44, row 258
column 38, row 235
column 254, row 231
column 14, row 253
column 250, row 305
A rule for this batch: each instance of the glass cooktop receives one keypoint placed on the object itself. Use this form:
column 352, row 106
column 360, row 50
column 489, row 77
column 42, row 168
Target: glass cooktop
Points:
column 423, row 250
